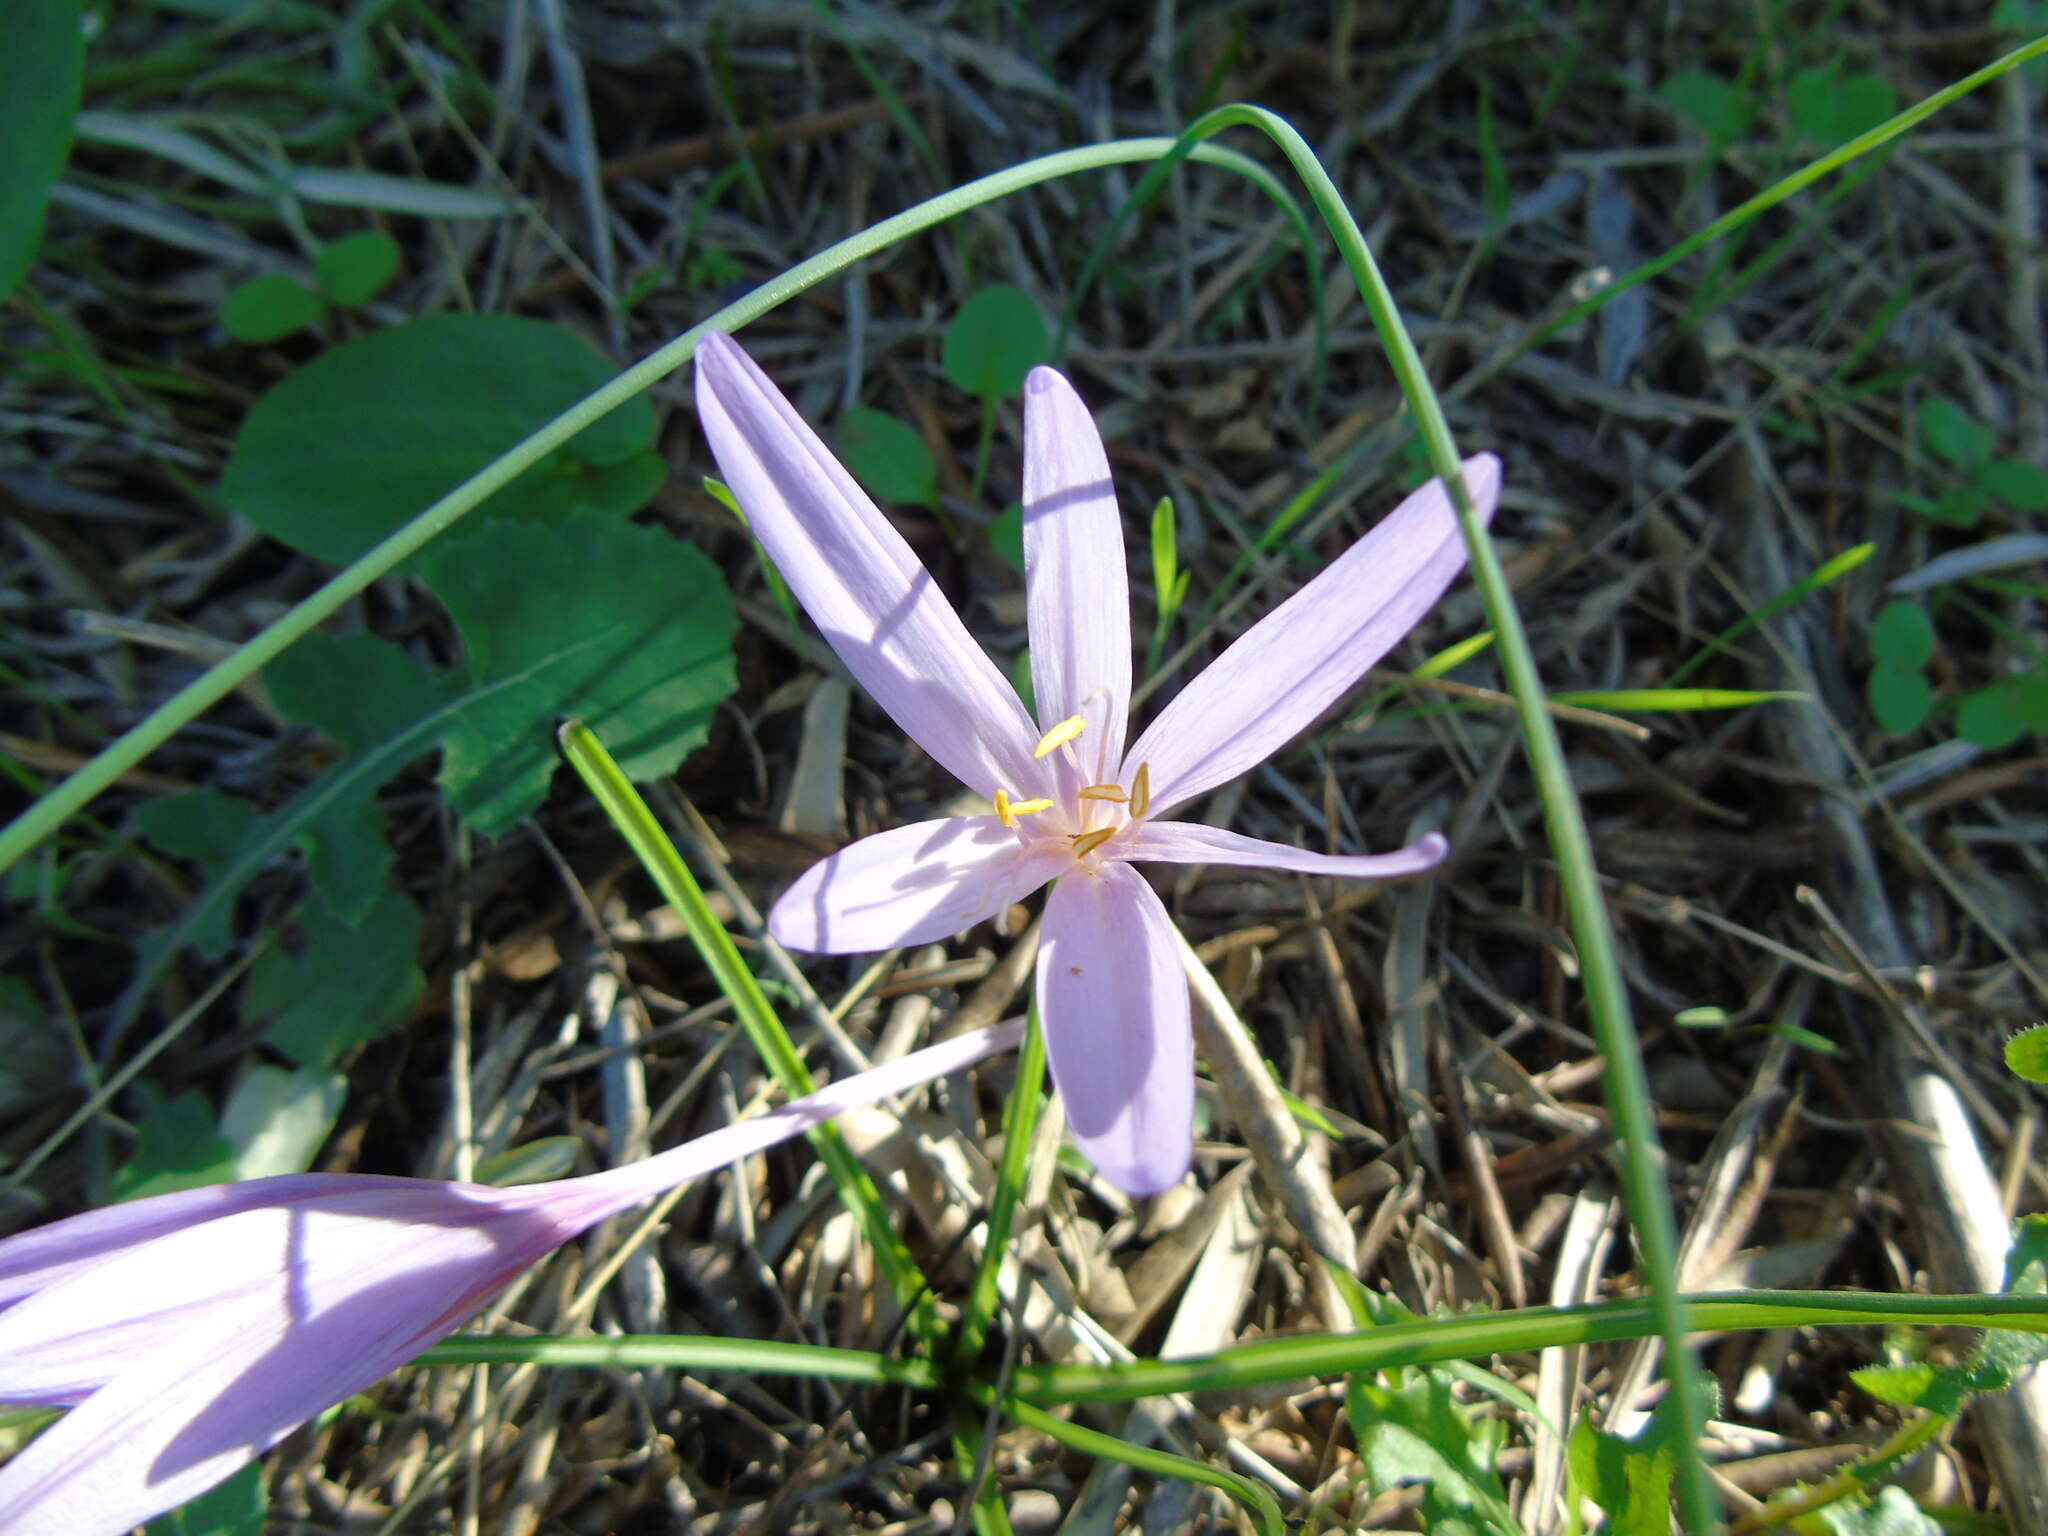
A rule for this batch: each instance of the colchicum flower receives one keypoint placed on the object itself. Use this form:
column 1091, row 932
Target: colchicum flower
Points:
column 193, row 1331
column 1073, row 803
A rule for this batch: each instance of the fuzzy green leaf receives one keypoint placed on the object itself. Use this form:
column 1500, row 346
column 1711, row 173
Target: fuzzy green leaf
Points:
column 622, row 626
column 889, row 458
column 45, row 66
column 1938, row 1389
column 355, row 269
column 350, row 447
column 268, row 308
column 341, row 985
column 997, row 338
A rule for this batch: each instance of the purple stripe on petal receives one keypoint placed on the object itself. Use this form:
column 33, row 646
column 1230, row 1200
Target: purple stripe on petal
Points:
column 871, row 599
column 1114, row 1005
column 1299, row 659
column 909, row 885
column 1079, row 601
column 1186, row 842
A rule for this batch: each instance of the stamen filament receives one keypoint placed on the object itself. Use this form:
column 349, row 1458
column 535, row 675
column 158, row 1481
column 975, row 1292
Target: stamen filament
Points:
column 1141, row 792
column 1086, row 843
column 1113, row 792
column 1060, row 735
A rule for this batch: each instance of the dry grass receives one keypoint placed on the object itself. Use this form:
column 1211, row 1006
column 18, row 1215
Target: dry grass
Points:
column 1785, row 862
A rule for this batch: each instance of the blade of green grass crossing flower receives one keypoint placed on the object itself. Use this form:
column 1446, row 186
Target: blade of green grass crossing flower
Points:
column 1606, row 999
column 636, row 824
column 1020, row 1119
column 213, row 685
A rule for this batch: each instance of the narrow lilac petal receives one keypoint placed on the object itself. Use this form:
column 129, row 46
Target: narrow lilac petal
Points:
column 871, row 599
column 1187, row 842
column 1079, row 601
column 1113, row 1001
column 618, row 1189
column 1299, row 659
column 909, row 885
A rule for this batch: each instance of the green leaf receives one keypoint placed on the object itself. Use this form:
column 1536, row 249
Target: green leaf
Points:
column 1990, row 716
column 1959, row 505
column 2020, row 485
column 1418, row 1433
column 342, row 985
column 355, row 269
column 1705, row 1016
column 209, row 828
column 350, row 447
column 176, row 1147
column 1165, row 554
column 624, row 627
column 1006, row 536
column 236, row 1507
column 45, row 65
column 1714, row 106
column 1902, row 635
column 269, row 307
column 889, row 458
column 997, row 338
column 2006, row 1352
column 1830, row 107
column 2026, row 1054
column 2032, row 691
column 1957, row 437
column 275, row 1121
column 1901, row 700
column 1630, row 1476
column 1941, row 1389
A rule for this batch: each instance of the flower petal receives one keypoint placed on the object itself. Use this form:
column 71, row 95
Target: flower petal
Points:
column 1079, row 600
column 1187, row 842
column 910, row 885
column 1113, row 1001
column 1299, row 659
column 855, row 576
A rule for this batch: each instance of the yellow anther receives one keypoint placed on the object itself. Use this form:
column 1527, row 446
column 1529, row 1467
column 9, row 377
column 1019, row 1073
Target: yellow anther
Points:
column 1029, row 807
column 1103, row 792
column 1086, row 843
column 1060, row 735
column 1003, row 808
column 1141, row 791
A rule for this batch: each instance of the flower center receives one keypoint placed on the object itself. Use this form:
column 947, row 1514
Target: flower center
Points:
column 1097, row 814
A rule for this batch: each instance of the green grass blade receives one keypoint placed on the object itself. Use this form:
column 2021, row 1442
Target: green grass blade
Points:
column 1831, row 570
column 643, row 834
column 1673, row 700
column 1019, row 1121
column 684, row 1352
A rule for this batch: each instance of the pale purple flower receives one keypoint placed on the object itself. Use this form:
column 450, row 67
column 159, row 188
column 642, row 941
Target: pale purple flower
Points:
column 1072, row 802
column 193, row 1331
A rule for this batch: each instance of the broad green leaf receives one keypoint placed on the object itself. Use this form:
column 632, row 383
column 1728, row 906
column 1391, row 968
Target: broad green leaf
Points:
column 623, row 627
column 889, row 458
column 276, row 1120
column 1418, row 1433
column 1961, row 439
column 1990, row 716
column 2026, row 1054
column 269, row 307
column 1831, row 107
column 2020, row 485
column 1941, row 1389
column 1902, row 635
column 1714, row 106
column 176, row 1147
column 350, row 447
column 237, row 1507
column 1900, row 699
column 340, row 985
column 358, row 691
column 1630, row 1476
column 356, row 267
column 45, row 65
column 2006, row 1352
column 997, row 338
column 209, row 828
